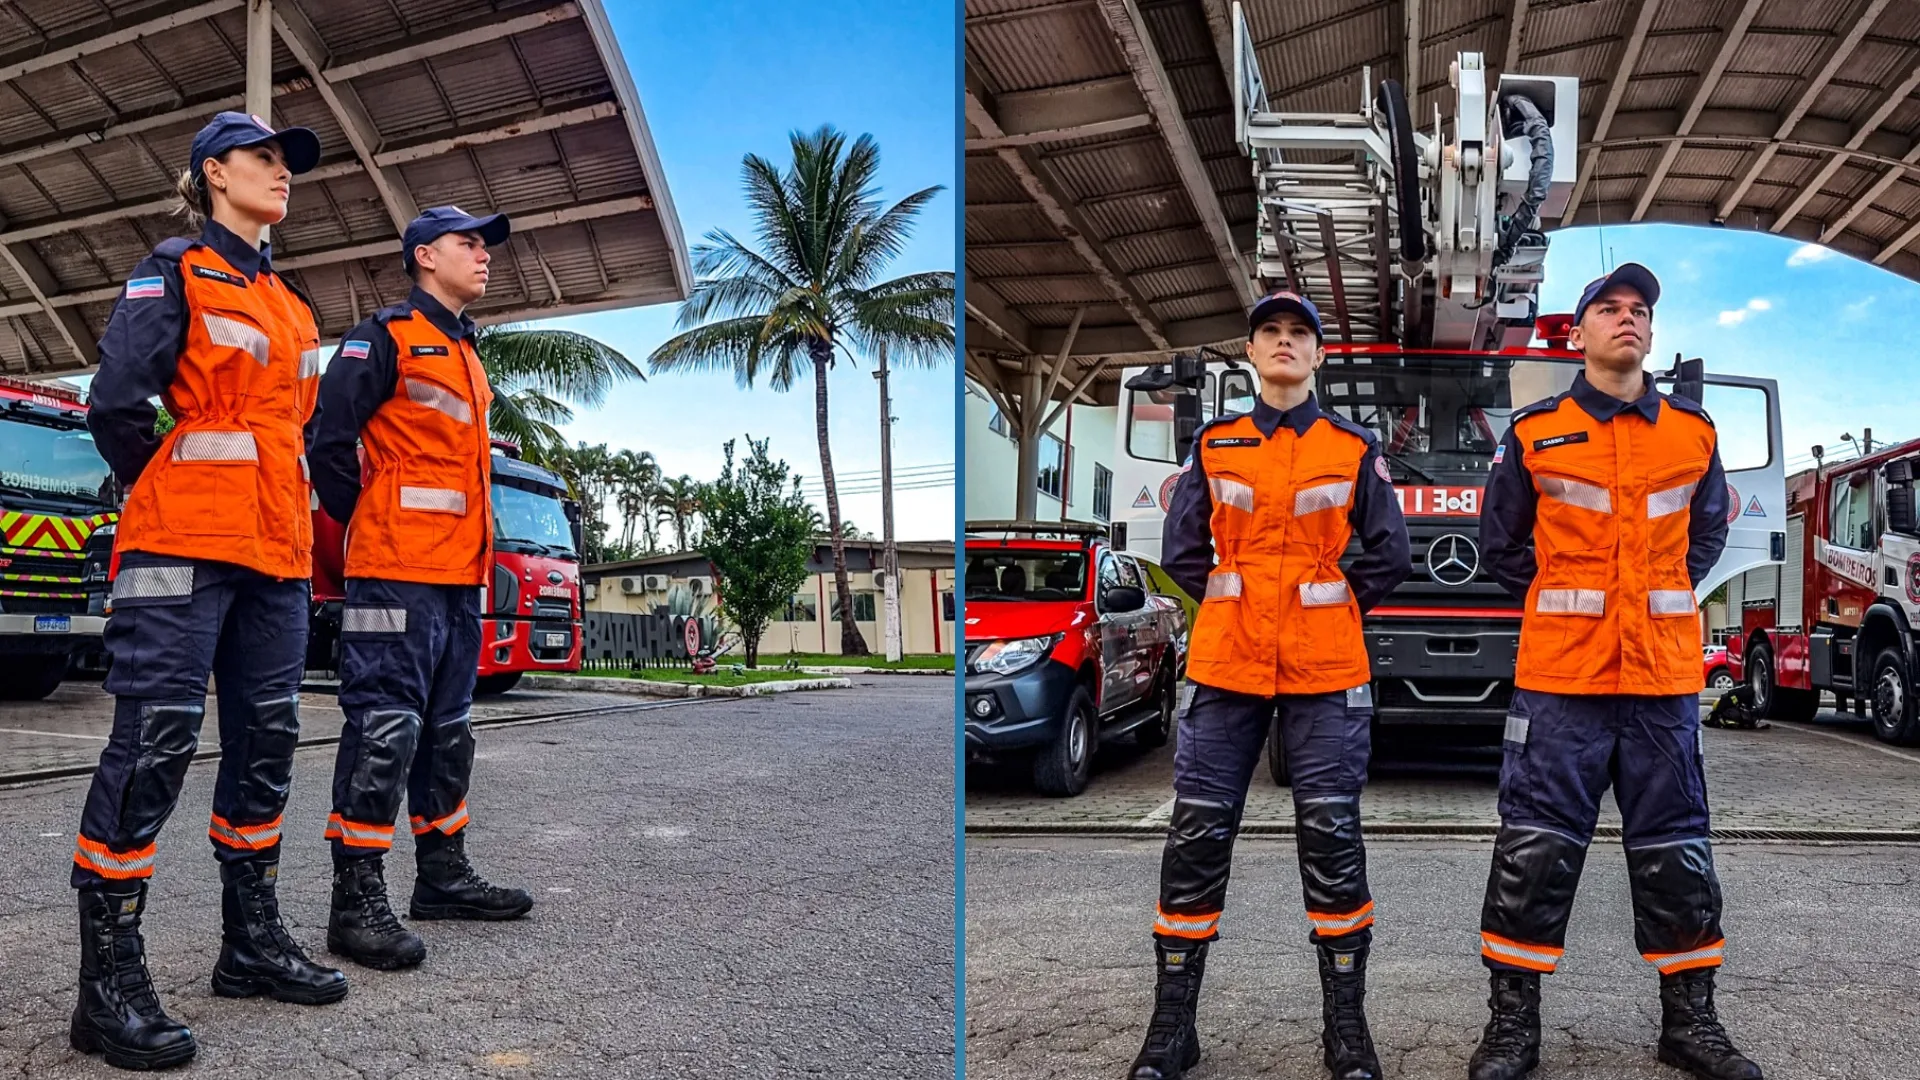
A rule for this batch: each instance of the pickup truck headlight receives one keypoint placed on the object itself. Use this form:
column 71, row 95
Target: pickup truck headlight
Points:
column 1015, row 654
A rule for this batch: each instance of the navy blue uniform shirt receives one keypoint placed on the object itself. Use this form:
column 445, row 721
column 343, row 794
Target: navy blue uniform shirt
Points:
column 1186, row 542
column 140, row 351
column 1506, row 514
column 354, row 387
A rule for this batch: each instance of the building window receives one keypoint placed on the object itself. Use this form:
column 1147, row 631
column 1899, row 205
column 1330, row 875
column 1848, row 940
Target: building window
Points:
column 803, row 608
column 863, row 607
column 1102, row 492
column 997, row 423
column 946, row 606
column 1053, row 467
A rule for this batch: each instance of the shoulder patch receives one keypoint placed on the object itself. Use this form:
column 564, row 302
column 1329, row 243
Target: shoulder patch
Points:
column 146, row 288
column 1363, row 433
column 1380, row 469
column 1500, row 453
column 1541, row 406
column 429, row 350
column 1687, row 405
column 355, row 350
column 218, row 275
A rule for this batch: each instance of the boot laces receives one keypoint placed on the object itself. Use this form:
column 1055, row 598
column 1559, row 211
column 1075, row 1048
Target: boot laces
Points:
column 1704, row 1021
column 374, row 909
column 1349, row 1020
column 126, row 952
column 1507, row 1029
column 1169, row 1014
column 266, row 905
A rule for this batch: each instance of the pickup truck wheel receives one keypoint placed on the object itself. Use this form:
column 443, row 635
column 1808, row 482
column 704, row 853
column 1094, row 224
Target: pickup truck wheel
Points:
column 30, row 678
column 1896, row 714
column 1062, row 766
column 497, row 684
column 1154, row 733
column 1721, row 680
column 1277, row 755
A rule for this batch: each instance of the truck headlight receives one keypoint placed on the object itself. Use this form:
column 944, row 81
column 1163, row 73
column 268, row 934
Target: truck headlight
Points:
column 1015, row 654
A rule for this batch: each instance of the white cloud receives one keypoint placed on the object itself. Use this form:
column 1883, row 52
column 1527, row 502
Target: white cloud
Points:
column 1808, row 254
column 1739, row 315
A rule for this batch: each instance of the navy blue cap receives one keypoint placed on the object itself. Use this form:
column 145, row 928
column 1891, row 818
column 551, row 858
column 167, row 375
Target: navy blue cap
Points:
column 436, row 222
column 1276, row 302
column 1633, row 275
column 229, row 130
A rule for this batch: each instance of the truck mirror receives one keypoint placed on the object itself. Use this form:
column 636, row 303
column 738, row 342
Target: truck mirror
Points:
column 1900, row 511
column 1898, row 472
column 1189, row 369
column 1156, row 377
column 1690, row 379
column 1186, row 423
column 1117, row 536
column 1121, row 599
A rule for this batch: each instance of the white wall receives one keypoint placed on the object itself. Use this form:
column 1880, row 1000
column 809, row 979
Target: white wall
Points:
column 993, row 461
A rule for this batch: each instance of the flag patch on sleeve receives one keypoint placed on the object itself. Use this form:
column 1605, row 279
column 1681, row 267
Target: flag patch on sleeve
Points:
column 1500, row 453
column 355, row 349
column 146, row 288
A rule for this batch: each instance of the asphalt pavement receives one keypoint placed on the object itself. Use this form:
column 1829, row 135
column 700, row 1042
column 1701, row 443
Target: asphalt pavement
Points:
column 1822, row 976
column 758, row 887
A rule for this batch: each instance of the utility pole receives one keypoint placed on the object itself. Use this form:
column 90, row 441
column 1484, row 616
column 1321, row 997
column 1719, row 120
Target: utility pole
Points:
column 890, row 560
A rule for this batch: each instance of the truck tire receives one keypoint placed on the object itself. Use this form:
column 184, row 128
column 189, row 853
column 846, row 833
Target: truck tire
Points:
column 1154, row 734
column 30, row 678
column 1771, row 700
column 487, row 685
column 1720, row 680
column 1062, row 766
column 1896, row 714
column 1277, row 754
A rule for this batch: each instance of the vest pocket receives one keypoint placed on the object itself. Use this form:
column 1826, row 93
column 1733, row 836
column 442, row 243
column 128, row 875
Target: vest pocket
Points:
column 430, row 513
column 1216, row 628
column 1670, row 493
column 209, row 484
column 1325, row 629
column 1568, row 631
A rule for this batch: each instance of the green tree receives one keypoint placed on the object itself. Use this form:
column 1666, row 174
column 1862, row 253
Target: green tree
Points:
column 636, row 483
column 679, row 500
column 535, row 373
column 811, row 292
column 758, row 539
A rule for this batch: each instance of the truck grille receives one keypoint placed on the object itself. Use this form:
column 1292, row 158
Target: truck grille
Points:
column 552, row 609
column 37, row 581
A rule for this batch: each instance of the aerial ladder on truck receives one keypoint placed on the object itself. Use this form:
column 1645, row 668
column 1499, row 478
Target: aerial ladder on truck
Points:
column 1421, row 241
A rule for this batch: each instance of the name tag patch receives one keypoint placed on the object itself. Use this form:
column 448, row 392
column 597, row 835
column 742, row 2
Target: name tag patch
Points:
column 1234, row 442
column 429, row 350
column 219, row 275
column 1560, row 440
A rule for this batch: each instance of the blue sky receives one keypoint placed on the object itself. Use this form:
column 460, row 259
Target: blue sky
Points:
column 1830, row 328
column 724, row 78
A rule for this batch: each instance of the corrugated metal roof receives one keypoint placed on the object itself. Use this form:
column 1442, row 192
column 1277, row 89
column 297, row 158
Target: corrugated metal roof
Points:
column 521, row 106
column 1768, row 150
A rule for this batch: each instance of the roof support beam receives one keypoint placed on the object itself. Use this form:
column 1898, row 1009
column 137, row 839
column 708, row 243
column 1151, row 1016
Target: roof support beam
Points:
column 1639, row 23
column 460, row 35
column 1150, row 75
column 1516, row 31
column 1057, row 113
column 42, row 285
column 1894, row 99
column 96, row 39
column 1709, row 81
column 528, row 123
column 986, row 308
column 304, row 42
column 1063, row 214
column 1857, row 25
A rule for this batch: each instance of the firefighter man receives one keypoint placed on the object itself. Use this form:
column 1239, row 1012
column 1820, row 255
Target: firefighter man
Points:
column 1620, row 489
column 407, row 384
column 1275, row 495
column 211, row 564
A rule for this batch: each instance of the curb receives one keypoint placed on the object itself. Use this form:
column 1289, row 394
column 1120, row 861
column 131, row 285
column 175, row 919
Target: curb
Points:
column 643, row 688
column 876, row 671
column 1434, row 830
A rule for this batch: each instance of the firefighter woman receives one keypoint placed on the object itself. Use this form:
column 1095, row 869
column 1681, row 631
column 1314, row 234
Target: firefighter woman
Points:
column 211, row 563
column 407, row 384
column 1274, row 495
column 1621, row 491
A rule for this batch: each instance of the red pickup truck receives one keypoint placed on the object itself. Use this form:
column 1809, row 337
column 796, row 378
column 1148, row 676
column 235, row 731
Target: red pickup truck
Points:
column 1068, row 643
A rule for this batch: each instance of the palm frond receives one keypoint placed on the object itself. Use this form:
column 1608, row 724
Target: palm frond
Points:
column 555, row 362
column 743, row 346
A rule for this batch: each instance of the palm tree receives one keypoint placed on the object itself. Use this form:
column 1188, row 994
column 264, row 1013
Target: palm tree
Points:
column 535, row 372
column 636, row 477
column 824, row 237
column 678, row 500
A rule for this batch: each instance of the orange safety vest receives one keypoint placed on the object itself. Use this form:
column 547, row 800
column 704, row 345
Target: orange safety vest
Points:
column 1279, row 617
column 1611, row 610
column 229, row 483
column 424, row 512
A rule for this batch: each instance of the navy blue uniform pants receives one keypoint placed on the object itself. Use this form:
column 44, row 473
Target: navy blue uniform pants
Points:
column 1562, row 754
column 1328, row 740
column 409, row 654
column 175, row 622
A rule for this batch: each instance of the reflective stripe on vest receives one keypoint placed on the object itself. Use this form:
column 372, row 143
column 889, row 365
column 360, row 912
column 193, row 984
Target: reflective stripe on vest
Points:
column 216, row 446
column 1325, row 497
column 1671, row 501
column 1226, row 583
column 1231, row 493
column 446, row 500
column 1574, row 493
column 148, row 582
column 435, row 398
column 1571, row 602
column 224, row 331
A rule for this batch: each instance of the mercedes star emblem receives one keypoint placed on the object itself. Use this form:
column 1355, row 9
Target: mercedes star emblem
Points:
column 1453, row 560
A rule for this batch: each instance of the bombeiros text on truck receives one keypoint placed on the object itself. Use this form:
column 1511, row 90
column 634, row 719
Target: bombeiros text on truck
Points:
column 1421, row 246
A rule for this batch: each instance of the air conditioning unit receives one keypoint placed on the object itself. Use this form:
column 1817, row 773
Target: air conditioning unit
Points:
column 880, row 580
column 630, row 585
column 700, row 586
column 590, row 589
column 656, row 582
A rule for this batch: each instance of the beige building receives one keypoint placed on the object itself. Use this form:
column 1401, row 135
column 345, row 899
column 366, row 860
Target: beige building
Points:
column 639, row 586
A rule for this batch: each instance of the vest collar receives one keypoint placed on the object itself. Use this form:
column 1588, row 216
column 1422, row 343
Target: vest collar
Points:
column 454, row 326
column 1301, row 417
column 241, row 255
column 1604, row 407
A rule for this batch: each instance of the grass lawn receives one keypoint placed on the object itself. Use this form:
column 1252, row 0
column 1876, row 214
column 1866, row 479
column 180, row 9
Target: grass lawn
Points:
column 942, row 661
column 722, row 677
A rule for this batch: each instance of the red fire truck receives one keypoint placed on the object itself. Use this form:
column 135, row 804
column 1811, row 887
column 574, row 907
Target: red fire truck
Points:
column 530, row 609
column 56, row 495
column 1838, row 616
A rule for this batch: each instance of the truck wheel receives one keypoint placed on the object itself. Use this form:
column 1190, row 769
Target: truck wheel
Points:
column 1896, row 715
column 30, row 678
column 1770, row 699
column 496, row 684
column 1721, row 680
column 1277, row 755
column 1154, row 734
column 1062, row 766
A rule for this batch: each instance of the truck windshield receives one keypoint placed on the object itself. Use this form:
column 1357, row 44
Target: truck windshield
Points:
column 1010, row 574
column 530, row 522
column 52, row 462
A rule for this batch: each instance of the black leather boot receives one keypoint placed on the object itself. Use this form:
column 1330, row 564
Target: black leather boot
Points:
column 362, row 926
column 1173, row 1044
column 119, row 1016
column 1510, row 1047
column 447, row 886
column 257, row 955
column 1348, row 1045
column 1691, row 1035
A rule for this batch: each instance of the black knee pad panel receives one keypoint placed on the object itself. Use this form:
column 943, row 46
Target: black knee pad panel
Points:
column 1199, row 854
column 1530, row 889
column 1676, row 896
column 387, row 740
column 1333, row 858
column 169, row 735
column 267, row 774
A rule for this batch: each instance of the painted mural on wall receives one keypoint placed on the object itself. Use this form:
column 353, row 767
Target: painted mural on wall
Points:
column 677, row 630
